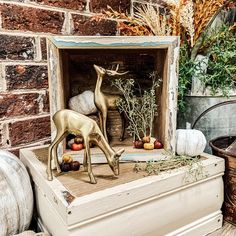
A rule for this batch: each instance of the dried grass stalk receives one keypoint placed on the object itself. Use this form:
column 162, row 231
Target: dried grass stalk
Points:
column 150, row 15
column 131, row 29
column 128, row 25
column 174, row 7
column 171, row 2
column 233, row 27
column 182, row 15
column 187, row 19
column 204, row 10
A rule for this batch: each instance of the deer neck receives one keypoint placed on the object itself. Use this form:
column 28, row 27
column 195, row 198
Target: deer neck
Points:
column 98, row 85
column 107, row 150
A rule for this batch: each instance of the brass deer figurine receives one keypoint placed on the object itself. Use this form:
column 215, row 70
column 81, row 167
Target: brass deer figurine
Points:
column 104, row 102
column 68, row 121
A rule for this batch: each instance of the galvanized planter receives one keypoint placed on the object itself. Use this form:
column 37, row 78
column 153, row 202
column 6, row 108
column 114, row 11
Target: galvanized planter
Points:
column 217, row 122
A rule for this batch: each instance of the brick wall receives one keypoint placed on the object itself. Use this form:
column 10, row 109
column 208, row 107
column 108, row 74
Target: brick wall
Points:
column 24, row 25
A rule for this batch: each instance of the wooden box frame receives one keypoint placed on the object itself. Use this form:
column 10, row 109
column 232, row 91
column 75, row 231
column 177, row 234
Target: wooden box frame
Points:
column 168, row 101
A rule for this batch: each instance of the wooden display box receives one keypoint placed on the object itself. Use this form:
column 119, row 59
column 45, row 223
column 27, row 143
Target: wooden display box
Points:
column 131, row 204
column 71, row 72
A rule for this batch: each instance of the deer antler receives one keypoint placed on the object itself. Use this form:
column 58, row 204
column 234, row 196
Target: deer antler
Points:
column 115, row 72
column 117, row 66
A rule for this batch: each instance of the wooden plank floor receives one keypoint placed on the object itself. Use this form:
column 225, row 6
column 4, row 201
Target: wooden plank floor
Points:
column 227, row 230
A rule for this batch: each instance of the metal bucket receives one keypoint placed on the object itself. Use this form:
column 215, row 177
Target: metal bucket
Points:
column 218, row 115
column 218, row 146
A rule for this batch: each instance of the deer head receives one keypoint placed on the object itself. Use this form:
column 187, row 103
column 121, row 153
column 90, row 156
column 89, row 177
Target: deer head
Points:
column 99, row 70
column 115, row 161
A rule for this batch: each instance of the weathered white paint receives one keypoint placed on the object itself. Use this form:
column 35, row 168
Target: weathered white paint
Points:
column 156, row 205
column 16, row 196
column 172, row 97
column 62, row 42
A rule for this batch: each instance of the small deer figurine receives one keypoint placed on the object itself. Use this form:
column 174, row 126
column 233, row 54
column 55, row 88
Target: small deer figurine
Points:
column 104, row 102
column 68, row 121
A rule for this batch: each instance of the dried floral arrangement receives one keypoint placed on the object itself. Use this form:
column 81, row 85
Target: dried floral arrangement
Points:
column 189, row 19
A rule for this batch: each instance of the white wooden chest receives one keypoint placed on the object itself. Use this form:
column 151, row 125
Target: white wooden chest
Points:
column 132, row 205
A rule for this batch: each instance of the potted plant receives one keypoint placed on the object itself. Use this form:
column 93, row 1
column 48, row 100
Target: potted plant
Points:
column 140, row 108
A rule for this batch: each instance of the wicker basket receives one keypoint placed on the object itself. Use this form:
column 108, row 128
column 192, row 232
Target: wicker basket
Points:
column 218, row 146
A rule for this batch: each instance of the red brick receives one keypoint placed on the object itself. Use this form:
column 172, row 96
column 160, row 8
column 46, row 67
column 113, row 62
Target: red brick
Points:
column 84, row 25
column 118, row 5
column 12, row 105
column 16, row 48
column 16, row 17
column 43, row 48
column 28, row 131
column 26, row 77
column 70, row 4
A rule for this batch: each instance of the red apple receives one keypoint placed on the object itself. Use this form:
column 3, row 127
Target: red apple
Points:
column 75, row 165
column 77, row 147
column 138, row 144
column 158, row 144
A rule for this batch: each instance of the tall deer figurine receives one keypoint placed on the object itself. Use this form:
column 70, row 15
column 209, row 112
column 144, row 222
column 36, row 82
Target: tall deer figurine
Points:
column 68, row 121
column 105, row 102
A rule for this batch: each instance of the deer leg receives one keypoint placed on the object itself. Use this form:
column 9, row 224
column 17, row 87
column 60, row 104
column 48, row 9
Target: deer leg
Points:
column 123, row 123
column 55, row 152
column 100, row 120
column 85, row 161
column 90, row 172
column 104, row 121
column 49, row 166
column 52, row 154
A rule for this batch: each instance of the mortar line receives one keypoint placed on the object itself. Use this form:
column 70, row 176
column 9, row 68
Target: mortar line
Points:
column 14, row 63
column 33, row 143
column 23, row 118
column 26, row 91
column 37, row 49
column 3, row 81
column 7, row 136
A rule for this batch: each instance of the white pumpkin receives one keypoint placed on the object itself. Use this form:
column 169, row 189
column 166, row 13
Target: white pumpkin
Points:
column 32, row 233
column 190, row 142
column 83, row 103
column 16, row 195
